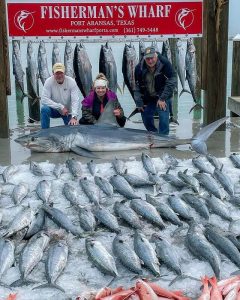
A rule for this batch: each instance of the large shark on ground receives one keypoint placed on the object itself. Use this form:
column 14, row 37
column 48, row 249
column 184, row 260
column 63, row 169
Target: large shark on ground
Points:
column 107, row 136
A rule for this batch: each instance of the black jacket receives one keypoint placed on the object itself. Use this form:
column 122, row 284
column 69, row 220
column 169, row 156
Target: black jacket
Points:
column 165, row 81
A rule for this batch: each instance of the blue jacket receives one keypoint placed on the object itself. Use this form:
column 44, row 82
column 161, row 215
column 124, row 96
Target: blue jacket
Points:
column 165, row 81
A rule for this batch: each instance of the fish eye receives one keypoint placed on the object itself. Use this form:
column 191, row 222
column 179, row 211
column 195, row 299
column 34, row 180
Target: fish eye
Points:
column 32, row 139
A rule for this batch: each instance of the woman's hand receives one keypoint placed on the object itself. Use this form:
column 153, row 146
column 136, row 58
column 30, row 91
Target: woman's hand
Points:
column 117, row 112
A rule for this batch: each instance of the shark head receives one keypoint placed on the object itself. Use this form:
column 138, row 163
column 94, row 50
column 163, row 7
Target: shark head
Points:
column 43, row 141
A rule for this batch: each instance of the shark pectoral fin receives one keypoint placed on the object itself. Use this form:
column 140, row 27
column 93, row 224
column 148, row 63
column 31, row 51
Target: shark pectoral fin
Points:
column 83, row 152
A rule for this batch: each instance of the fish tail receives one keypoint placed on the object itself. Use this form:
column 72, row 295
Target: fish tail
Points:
column 196, row 106
column 184, row 91
column 49, row 285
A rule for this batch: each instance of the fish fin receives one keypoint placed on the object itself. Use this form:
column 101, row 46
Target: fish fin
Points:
column 49, row 285
column 173, row 120
column 184, row 91
column 134, row 112
column 183, row 276
column 118, row 87
column 21, row 282
column 107, row 117
column 197, row 106
column 83, row 152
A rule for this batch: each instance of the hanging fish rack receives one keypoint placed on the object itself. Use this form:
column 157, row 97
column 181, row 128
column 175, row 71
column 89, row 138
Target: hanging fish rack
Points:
column 103, row 39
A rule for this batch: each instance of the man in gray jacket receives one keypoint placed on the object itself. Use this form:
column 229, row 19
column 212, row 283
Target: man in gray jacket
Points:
column 60, row 98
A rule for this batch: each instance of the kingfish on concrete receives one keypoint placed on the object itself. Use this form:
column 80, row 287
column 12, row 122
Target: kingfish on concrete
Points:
column 214, row 161
column 129, row 63
column 55, row 264
column 126, row 254
column 20, row 191
column 201, row 248
column 62, row 220
column 189, row 180
column 224, row 180
column 180, row 61
column 217, row 207
column 180, row 207
column 191, row 71
column 56, row 58
column 31, row 255
column 209, row 184
column 100, row 257
column 146, row 252
column 17, row 65
column 147, row 211
column 164, row 210
column 42, row 63
column 22, row 220
column 222, row 243
column 85, row 139
column 125, row 212
column 108, row 67
column 7, row 257
column 119, row 166
column 197, row 204
column 43, row 190
column 68, row 59
column 104, row 185
column 235, row 159
column 32, row 71
column 137, row 181
column 167, row 253
column 91, row 190
column 82, row 69
column 8, row 172
column 106, row 218
column 121, row 185
column 87, row 219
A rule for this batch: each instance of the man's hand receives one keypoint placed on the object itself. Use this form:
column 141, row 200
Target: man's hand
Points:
column 64, row 111
column 140, row 109
column 162, row 104
column 117, row 112
column 73, row 121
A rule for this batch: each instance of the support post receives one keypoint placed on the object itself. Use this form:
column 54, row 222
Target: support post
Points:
column 217, row 45
column 235, row 89
column 4, row 124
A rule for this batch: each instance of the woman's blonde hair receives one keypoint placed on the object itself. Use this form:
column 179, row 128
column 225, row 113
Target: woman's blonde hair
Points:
column 100, row 76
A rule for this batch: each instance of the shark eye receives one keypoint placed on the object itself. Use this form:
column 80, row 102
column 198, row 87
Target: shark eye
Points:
column 32, row 139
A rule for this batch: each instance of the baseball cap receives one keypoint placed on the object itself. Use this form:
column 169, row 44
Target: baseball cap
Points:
column 149, row 52
column 58, row 67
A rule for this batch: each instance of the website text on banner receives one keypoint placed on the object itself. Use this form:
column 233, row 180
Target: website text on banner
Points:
column 135, row 18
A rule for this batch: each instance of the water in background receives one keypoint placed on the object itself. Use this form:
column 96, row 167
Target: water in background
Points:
column 18, row 112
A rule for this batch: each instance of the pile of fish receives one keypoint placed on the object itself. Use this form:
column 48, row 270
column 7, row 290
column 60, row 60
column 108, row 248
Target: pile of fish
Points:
column 71, row 227
column 78, row 65
column 142, row 290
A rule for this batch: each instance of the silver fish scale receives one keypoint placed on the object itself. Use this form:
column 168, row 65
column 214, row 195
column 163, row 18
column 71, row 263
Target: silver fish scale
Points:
column 32, row 253
column 9, row 172
column 87, row 219
column 68, row 59
column 225, row 181
column 75, row 167
column 22, row 219
column 17, row 66
column 174, row 181
column 197, row 204
column 217, row 207
column 20, row 191
column 104, row 185
column 148, row 164
column 126, row 254
column 36, row 169
column 199, row 164
column 93, row 168
column 190, row 180
column 56, row 261
column 146, row 253
column 214, row 161
column 180, row 207
column 123, row 187
column 147, row 211
column 191, row 68
column 42, row 62
column 58, row 170
column 209, row 183
column 91, row 190
column 71, row 194
column 37, row 224
column 127, row 214
column 101, row 258
column 234, row 157
column 137, row 181
column 119, row 166
column 105, row 217
column 43, row 190
column 167, row 254
column 55, row 54
column 6, row 255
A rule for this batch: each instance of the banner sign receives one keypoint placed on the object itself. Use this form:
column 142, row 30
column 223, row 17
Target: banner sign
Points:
column 104, row 19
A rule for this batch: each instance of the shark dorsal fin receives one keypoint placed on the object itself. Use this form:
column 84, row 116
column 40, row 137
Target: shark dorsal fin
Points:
column 107, row 117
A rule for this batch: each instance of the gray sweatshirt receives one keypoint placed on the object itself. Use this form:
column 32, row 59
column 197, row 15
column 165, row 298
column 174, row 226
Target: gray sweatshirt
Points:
column 58, row 96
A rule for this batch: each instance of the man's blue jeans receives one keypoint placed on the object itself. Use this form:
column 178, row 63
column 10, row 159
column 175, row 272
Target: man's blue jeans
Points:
column 48, row 112
column 148, row 120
